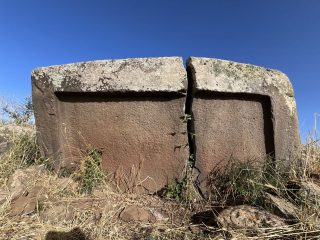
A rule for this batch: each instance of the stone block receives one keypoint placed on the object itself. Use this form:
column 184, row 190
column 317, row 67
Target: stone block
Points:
column 241, row 112
column 132, row 110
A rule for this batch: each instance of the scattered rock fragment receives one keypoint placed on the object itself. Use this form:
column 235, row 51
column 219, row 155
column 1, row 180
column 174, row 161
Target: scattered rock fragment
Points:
column 248, row 217
column 22, row 206
column 136, row 213
column 195, row 229
column 58, row 213
column 67, row 210
column 19, row 181
column 159, row 216
column 66, row 183
column 282, row 208
column 310, row 193
column 27, row 203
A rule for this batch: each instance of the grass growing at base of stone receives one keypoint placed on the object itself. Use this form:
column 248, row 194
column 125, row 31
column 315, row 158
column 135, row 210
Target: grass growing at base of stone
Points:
column 174, row 191
column 246, row 182
column 90, row 173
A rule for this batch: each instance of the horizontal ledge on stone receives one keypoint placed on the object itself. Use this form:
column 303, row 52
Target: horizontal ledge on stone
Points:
column 165, row 74
column 121, row 96
column 227, row 76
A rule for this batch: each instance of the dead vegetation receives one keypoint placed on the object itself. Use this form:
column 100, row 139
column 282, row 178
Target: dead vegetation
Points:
column 86, row 200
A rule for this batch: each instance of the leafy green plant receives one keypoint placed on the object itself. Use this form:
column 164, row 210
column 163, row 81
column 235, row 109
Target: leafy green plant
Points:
column 174, row 191
column 90, row 173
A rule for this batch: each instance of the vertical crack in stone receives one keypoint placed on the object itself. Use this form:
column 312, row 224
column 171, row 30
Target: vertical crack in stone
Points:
column 192, row 172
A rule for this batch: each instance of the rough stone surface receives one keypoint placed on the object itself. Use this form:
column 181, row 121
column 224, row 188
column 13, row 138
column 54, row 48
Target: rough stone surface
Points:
column 136, row 213
column 248, row 217
column 126, row 75
column 19, row 181
column 58, row 213
column 27, row 203
column 282, row 208
column 241, row 112
column 132, row 110
column 66, row 210
column 310, row 193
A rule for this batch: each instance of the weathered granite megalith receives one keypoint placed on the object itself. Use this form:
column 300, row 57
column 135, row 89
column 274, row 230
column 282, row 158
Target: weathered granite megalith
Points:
column 132, row 110
column 241, row 112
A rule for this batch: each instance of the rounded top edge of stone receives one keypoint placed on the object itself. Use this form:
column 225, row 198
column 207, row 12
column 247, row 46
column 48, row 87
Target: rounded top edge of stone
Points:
column 214, row 74
column 102, row 61
column 161, row 74
column 194, row 61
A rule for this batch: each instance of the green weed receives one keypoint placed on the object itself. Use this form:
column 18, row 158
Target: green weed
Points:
column 90, row 173
column 174, row 191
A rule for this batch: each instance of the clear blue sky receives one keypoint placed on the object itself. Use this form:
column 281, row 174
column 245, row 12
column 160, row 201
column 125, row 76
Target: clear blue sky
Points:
column 277, row 34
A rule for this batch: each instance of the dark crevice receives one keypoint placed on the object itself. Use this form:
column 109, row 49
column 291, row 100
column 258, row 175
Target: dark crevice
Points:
column 192, row 170
column 117, row 96
column 190, row 118
column 192, row 93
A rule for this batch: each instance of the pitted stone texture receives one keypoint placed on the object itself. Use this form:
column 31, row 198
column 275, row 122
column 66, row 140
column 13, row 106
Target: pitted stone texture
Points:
column 241, row 112
column 246, row 217
column 226, row 76
column 132, row 110
column 143, row 140
column 165, row 74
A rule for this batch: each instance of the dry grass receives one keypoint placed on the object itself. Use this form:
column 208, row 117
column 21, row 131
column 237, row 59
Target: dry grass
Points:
column 24, row 153
column 248, row 182
column 99, row 205
column 107, row 224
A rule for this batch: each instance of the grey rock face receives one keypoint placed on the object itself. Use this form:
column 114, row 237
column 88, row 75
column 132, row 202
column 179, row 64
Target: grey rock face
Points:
column 136, row 213
column 310, row 193
column 126, row 75
column 248, row 217
column 282, row 208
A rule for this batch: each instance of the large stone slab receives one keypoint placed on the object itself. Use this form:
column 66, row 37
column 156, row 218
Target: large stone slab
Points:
column 241, row 112
column 131, row 110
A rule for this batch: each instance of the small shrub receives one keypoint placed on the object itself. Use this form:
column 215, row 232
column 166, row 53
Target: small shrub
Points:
column 90, row 174
column 183, row 191
column 174, row 191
